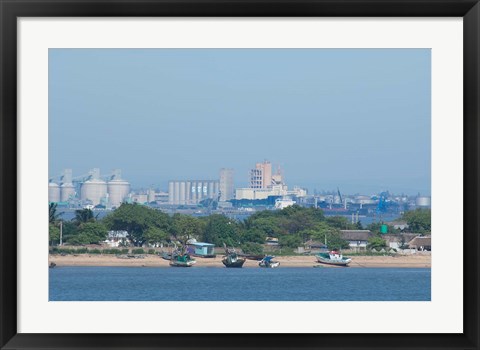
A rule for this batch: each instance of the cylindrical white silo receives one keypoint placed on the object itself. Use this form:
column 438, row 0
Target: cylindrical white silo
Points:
column 423, row 202
column 176, row 197
column 217, row 189
column 188, row 192
column 171, row 188
column 93, row 190
column 67, row 192
column 118, row 190
column 182, row 193
column 210, row 189
column 150, row 196
column 193, row 192
column 53, row 192
column 199, row 191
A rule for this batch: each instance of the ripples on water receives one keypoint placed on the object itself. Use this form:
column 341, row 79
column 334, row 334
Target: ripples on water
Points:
column 247, row 284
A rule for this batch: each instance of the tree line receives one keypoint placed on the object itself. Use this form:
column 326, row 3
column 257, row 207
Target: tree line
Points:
column 292, row 226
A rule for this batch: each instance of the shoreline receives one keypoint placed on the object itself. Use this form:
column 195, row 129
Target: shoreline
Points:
column 94, row 260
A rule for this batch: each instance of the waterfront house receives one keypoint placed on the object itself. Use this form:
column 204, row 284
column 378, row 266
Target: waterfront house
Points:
column 357, row 239
column 201, row 249
column 398, row 224
column 114, row 238
column 421, row 243
column 315, row 246
column 271, row 241
column 398, row 241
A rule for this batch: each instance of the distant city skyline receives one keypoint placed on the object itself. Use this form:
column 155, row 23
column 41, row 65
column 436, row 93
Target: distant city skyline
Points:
column 357, row 119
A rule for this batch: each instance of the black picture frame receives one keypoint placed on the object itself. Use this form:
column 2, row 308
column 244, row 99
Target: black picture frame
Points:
column 11, row 10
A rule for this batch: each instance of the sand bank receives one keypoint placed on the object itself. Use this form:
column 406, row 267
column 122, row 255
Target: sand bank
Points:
column 411, row 261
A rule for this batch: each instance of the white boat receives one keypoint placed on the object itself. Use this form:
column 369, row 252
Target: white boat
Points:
column 268, row 262
column 333, row 258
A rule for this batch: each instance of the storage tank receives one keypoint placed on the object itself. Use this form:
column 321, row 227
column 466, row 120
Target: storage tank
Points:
column 182, row 193
column 423, row 202
column 118, row 190
column 53, row 192
column 151, row 196
column 171, row 188
column 67, row 192
column 93, row 190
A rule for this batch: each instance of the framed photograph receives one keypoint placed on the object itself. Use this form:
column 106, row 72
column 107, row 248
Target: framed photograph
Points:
column 326, row 150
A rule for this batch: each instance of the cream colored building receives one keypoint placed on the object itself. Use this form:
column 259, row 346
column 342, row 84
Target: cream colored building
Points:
column 261, row 175
column 264, row 193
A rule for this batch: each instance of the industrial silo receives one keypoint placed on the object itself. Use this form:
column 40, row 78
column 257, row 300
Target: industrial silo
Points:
column 67, row 189
column 424, row 202
column 182, row 193
column 53, row 192
column 118, row 190
column 188, row 192
column 171, row 188
column 217, row 189
column 93, row 191
column 67, row 192
column 210, row 190
column 193, row 193
column 150, row 196
column 199, row 191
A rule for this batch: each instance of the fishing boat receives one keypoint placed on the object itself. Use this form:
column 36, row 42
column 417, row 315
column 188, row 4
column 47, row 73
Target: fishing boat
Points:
column 231, row 258
column 184, row 260
column 179, row 259
column 333, row 258
column 268, row 262
column 168, row 256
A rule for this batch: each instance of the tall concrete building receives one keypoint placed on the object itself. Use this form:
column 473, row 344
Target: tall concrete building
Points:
column 261, row 175
column 226, row 184
column 191, row 192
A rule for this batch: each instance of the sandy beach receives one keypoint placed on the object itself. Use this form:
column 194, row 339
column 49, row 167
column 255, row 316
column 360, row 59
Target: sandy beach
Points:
column 410, row 261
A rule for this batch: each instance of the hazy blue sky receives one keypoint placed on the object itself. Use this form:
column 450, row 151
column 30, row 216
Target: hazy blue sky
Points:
column 358, row 119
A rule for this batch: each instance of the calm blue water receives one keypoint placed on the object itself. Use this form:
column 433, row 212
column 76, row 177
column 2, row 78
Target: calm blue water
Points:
column 247, row 284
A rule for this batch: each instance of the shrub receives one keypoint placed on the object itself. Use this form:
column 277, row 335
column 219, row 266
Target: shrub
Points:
column 151, row 251
column 138, row 251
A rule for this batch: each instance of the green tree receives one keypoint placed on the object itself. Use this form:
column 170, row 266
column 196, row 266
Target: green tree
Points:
column 221, row 229
column 252, row 248
column 186, row 227
column 376, row 242
column 136, row 220
column 91, row 233
column 83, row 216
column 53, row 216
column 341, row 223
column 53, row 234
column 419, row 220
column 291, row 241
column 252, row 235
column 330, row 235
column 69, row 230
column 268, row 225
column 155, row 236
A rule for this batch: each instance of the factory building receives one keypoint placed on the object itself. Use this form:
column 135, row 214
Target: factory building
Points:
column 92, row 188
column 192, row 192
column 226, row 184
column 264, row 193
column 264, row 184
